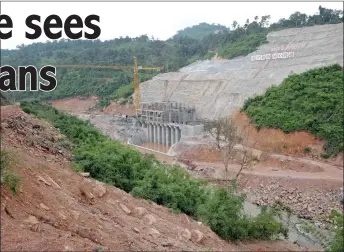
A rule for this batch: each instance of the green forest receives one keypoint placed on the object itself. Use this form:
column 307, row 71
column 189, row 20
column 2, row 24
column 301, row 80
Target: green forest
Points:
column 198, row 42
column 310, row 101
column 201, row 30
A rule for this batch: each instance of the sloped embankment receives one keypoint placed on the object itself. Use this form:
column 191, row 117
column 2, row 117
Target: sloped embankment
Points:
column 56, row 208
column 220, row 87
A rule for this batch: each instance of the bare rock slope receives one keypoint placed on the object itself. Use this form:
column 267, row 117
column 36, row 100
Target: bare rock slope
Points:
column 219, row 87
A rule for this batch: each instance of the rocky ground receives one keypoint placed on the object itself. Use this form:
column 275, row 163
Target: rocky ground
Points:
column 58, row 209
column 314, row 184
column 310, row 188
column 309, row 199
column 35, row 136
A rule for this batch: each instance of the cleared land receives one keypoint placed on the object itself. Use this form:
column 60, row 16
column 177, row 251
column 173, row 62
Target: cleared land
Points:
column 220, row 87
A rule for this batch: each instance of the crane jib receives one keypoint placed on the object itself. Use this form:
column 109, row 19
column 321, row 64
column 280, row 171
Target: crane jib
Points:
column 135, row 68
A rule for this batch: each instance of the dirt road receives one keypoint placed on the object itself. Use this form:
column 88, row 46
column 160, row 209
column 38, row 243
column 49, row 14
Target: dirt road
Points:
column 328, row 173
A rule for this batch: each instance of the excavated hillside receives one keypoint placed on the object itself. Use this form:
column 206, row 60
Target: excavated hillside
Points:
column 58, row 209
column 219, row 87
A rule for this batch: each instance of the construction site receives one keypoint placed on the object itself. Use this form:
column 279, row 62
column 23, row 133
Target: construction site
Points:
column 168, row 119
column 219, row 87
column 174, row 106
column 166, row 123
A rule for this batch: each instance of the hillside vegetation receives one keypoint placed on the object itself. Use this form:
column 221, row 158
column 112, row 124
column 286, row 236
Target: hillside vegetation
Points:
column 201, row 30
column 144, row 176
column 311, row 101
column 191, row 44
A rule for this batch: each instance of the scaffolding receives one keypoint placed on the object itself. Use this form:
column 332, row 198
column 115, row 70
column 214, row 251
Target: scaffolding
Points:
column 166, row 112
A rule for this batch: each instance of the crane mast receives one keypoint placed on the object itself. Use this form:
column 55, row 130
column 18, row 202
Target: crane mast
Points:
column 136, row 85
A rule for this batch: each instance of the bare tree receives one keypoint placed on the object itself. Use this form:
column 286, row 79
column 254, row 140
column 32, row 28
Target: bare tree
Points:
column 247, row 150
column 214, row 128
column 227, row 136
column 224, row 131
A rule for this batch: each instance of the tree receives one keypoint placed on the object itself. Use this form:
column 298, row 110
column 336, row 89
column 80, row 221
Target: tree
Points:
column 224, row 131
column 247, row 156
column 264, row 21
column 198, row 42
column 227, row 136
column 246, row 24
column 298, row 19
column 234, row 24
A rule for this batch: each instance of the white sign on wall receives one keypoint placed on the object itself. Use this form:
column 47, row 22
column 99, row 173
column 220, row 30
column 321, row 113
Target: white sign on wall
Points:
column 268, row 56
column 279, row 52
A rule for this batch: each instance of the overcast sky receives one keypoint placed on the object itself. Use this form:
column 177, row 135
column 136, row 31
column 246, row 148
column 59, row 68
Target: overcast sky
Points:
column 162, row 20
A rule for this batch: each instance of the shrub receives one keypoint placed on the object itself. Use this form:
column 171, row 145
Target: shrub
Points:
column 311, row 101
column 122, row 101
column 144, row 176
column 4, row 162
column 307, row 149
column 104, row 102
column 265, row 226
column 124, row 91
column 172, row 187
column 337, row 244
column 325, row 155
column 223, row 212
column 12, row 181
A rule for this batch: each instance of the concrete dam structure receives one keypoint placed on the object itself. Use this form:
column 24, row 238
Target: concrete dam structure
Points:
column 165, row 123
column 219, row 87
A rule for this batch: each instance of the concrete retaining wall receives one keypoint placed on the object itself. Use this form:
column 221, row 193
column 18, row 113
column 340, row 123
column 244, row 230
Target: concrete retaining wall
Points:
column 191, row 130
column 164, row 133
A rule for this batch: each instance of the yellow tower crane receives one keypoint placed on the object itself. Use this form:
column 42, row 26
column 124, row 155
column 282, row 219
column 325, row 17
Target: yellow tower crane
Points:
column 135, row 69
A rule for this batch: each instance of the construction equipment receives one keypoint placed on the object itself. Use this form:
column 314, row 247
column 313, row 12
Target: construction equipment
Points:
column 135, row 69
